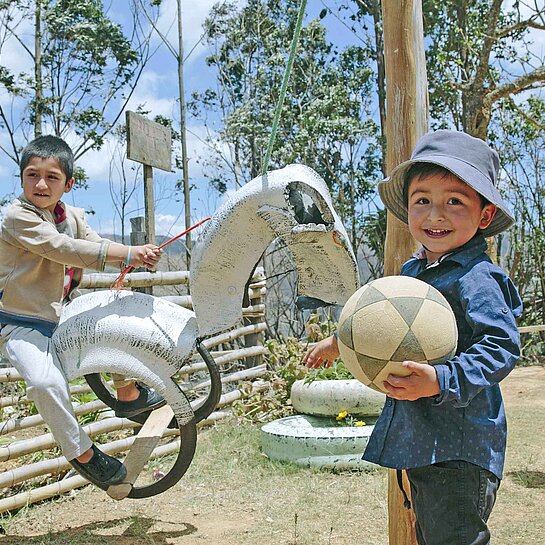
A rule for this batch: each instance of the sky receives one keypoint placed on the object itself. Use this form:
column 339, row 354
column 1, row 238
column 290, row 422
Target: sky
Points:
column 156, row 91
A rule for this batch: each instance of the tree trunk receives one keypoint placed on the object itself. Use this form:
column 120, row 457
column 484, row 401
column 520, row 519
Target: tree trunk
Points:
column 187, row 202
column 381, row 77
column 38, row 96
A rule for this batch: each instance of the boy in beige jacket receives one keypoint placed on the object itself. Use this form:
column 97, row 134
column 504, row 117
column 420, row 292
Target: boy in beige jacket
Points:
column 44, row 243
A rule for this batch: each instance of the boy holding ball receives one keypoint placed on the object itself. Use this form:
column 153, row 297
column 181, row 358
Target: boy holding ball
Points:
column 445, row 424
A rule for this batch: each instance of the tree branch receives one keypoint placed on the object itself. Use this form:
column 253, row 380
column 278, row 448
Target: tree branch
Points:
column 519, row 26
column 516, row 86
column 526, row 116
column 490, row 39
column 15, row 156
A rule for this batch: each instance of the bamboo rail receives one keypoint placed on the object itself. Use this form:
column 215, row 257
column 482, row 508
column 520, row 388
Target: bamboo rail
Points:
column 57, row 465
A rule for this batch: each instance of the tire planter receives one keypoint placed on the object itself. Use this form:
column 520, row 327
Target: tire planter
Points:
column 313, row 441
column 315, row 438
column 330, row 397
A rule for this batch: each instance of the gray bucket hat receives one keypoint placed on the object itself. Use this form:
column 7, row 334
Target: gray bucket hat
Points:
column 467, row 157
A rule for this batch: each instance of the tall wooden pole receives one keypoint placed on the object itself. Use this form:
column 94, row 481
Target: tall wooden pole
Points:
column 149, row 205
column 39, row 98
column 183, row 135
column 406, row 121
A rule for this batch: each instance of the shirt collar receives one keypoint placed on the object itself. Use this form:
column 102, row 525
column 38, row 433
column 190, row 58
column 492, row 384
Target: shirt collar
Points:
column 462, row 255
column 58, row 216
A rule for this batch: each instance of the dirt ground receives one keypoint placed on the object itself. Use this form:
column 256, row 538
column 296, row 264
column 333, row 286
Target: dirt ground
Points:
column 232, row 495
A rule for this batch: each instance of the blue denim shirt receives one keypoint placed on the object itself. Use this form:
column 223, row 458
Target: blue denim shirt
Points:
column 466, row 421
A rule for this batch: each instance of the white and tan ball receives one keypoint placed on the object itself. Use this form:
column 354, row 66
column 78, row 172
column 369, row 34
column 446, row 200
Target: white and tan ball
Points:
column 391, row 320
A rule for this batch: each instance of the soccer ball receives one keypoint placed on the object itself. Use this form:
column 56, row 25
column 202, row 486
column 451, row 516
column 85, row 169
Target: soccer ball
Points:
column 391, row 320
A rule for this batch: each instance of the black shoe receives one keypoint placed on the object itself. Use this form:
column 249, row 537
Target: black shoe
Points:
column 102, row 470
column 148, row 400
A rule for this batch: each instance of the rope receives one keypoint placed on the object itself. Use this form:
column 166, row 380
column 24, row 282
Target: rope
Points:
column 284, row 86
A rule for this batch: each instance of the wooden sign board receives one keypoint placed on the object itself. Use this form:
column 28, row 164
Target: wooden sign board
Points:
column 148, row 142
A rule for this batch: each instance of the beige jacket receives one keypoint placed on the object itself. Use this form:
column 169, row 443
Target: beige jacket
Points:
column 33, row 255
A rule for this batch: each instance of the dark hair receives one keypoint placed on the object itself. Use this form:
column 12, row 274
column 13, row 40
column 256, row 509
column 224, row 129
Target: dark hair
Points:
column 421, row 171
column 47, row 147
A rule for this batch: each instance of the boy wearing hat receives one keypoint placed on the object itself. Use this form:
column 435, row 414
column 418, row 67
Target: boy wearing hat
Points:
column 445, row 424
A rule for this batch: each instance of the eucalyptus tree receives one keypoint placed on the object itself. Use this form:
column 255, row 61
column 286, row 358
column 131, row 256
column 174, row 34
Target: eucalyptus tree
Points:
column 66, row 67
column 326, row 120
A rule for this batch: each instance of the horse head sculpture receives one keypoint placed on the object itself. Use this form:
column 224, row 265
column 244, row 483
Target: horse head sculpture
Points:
column 293, row 204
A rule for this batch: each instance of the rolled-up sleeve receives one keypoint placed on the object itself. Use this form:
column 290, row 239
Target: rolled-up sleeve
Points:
column 491, row 304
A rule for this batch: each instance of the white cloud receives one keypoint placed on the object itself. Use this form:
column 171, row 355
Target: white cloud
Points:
column 193, row 17
column 13, row 55
column 150, row 92
column 168, row 224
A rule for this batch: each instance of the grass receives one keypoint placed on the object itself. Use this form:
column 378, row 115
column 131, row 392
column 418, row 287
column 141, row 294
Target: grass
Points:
column 233, row 495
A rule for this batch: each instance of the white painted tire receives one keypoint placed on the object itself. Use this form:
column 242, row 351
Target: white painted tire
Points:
column 311, row 441
column 132, row 334
column 330, row 397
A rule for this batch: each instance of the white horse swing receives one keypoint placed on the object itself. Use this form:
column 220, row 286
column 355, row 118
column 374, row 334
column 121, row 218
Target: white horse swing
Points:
column 150, row 339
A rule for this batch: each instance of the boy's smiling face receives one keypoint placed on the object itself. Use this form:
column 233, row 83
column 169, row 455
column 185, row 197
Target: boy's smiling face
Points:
column 445, row 213
column 44, row 182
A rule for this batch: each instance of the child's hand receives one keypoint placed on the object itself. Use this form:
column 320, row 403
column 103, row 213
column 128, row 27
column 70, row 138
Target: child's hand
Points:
column 147, row 256
column 324, row 352
column 422, row 382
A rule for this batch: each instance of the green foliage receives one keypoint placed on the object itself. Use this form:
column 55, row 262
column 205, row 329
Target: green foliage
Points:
column 520, row 142
column 472, row 50
column 86, row 64
column 336, row 371
column 285, row 359
column 326, row 120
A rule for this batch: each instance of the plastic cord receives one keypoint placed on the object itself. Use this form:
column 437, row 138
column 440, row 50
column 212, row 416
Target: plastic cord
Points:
column 284, row 86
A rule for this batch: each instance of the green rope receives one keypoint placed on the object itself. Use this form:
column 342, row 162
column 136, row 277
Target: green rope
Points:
column 284, row 87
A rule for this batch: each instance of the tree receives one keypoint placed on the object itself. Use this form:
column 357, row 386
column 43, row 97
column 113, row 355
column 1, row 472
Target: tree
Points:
column 521, row 143
column 479, row 56
column 326, row 121
column 80, row 71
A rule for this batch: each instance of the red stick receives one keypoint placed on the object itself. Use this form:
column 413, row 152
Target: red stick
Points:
column 118, row 284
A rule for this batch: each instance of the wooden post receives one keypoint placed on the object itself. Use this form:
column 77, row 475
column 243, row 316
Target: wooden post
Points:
column 406, row 121
column 149, row 206
column 138, row 237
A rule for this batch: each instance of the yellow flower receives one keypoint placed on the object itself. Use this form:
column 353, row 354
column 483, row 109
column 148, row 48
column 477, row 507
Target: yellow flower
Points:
column 359, row 423
column 342, row 415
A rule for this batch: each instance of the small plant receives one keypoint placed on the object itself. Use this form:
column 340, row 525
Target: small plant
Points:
column 336, row 371
column 285, row 360
column 262, row 407
column 346, row 419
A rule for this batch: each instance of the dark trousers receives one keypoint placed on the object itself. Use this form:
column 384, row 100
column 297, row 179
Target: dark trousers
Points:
column 452, row 502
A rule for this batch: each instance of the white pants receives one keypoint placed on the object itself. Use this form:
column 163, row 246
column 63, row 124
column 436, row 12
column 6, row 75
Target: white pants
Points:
column 34, row 357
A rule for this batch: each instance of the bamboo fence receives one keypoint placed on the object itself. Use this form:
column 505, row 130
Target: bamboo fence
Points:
column 31, row 467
